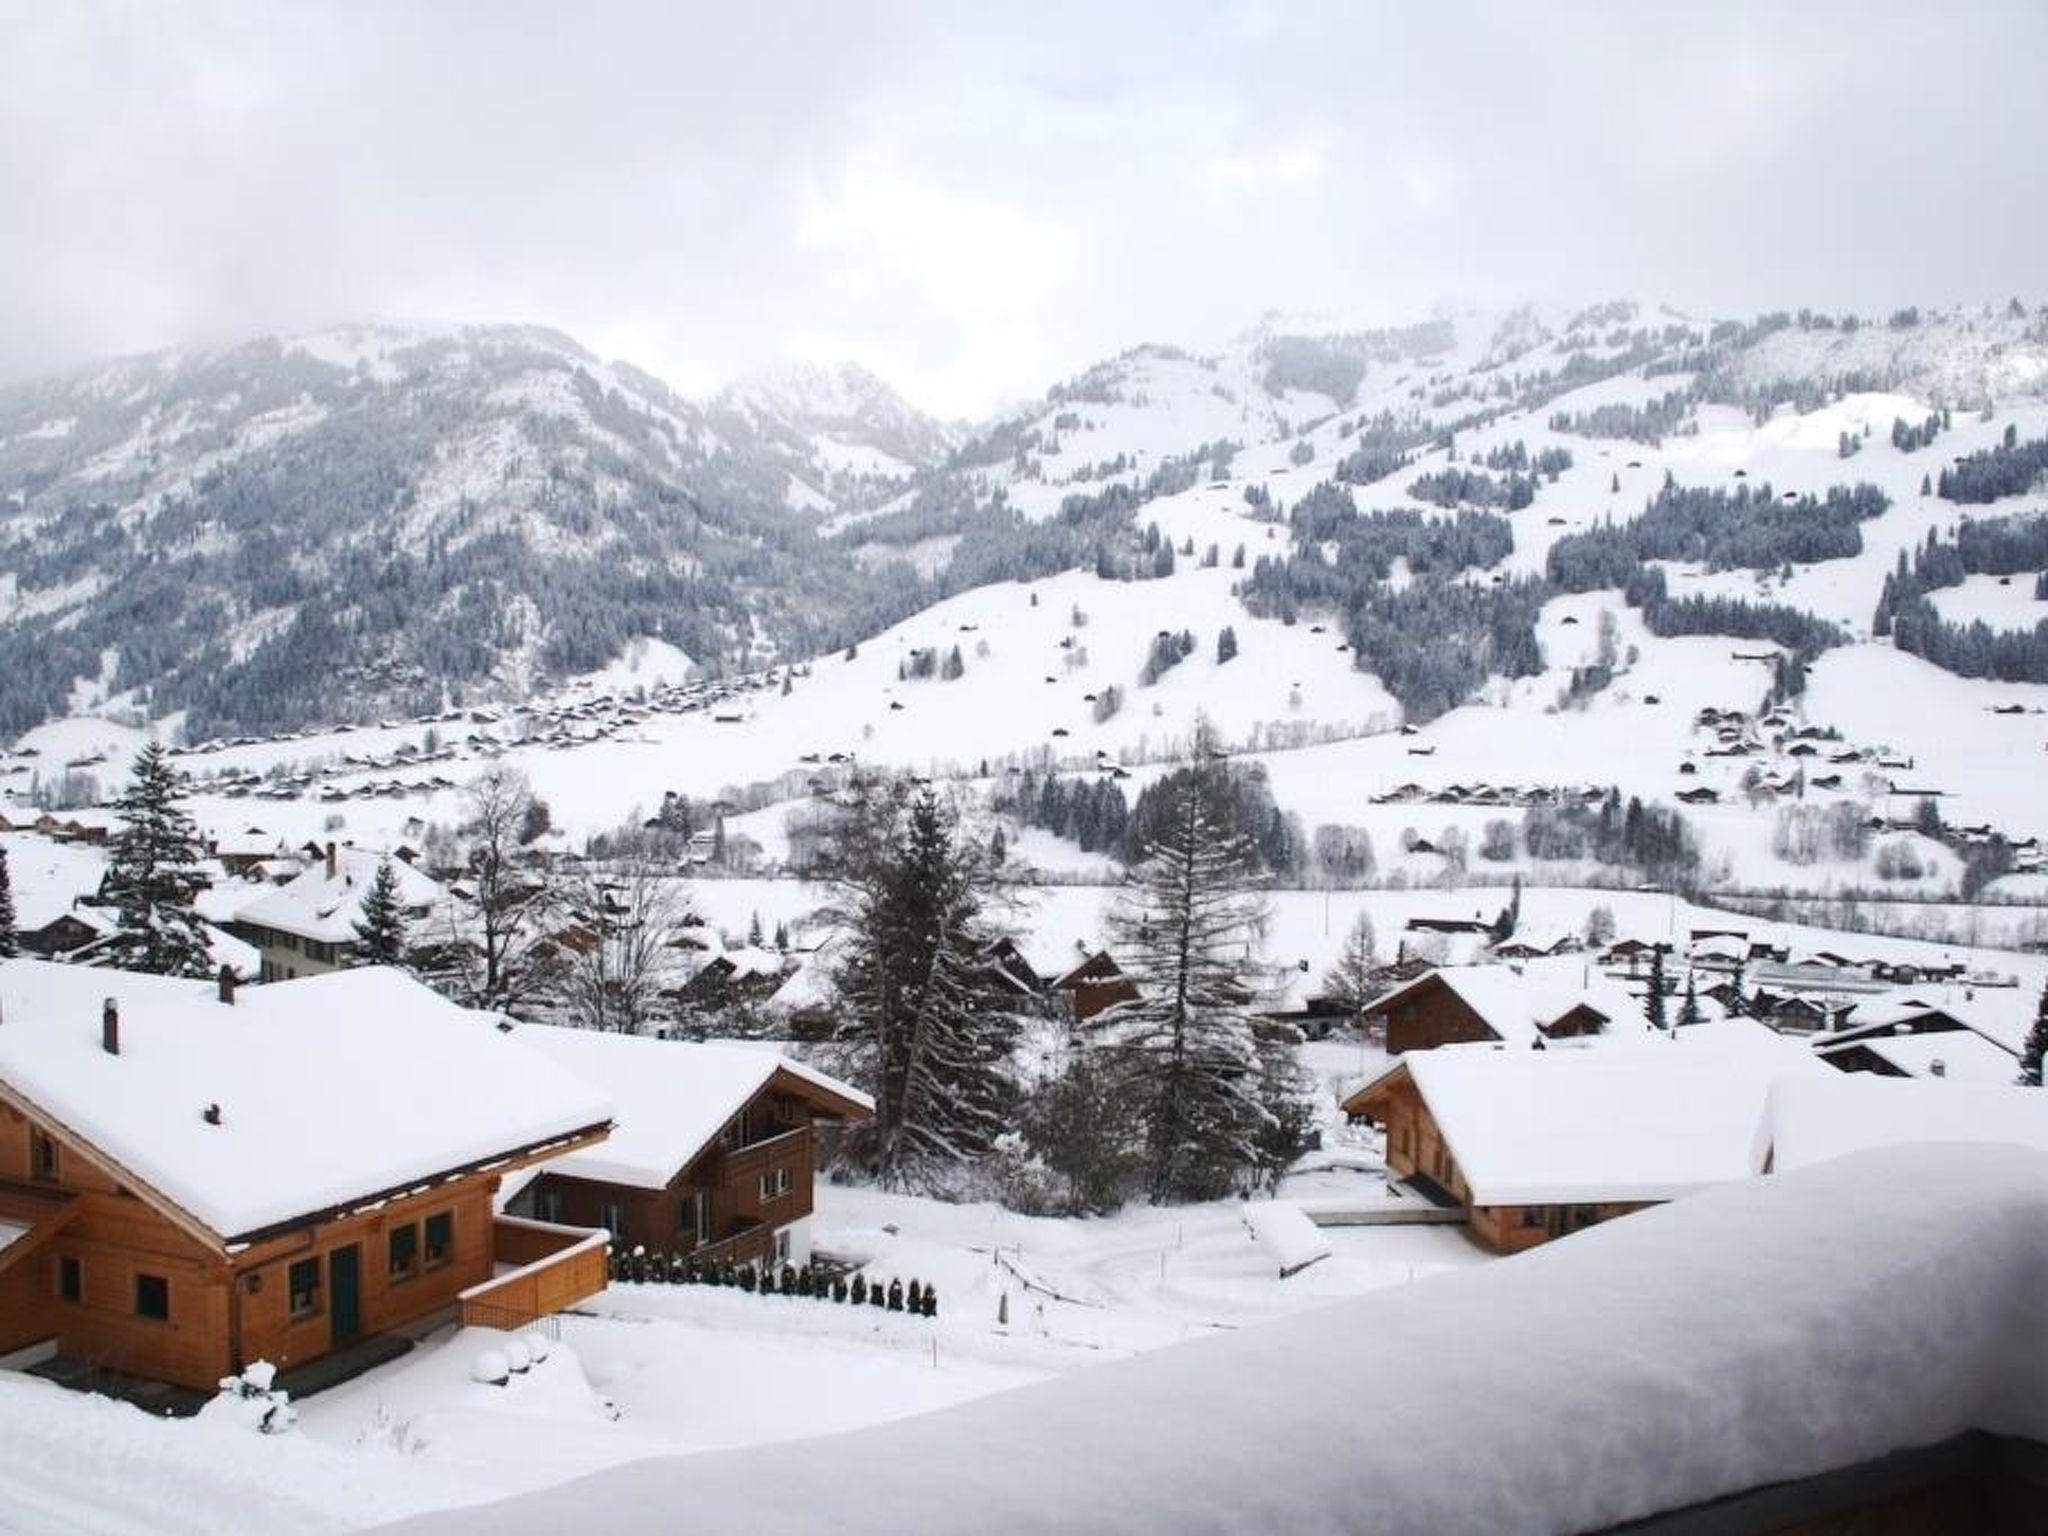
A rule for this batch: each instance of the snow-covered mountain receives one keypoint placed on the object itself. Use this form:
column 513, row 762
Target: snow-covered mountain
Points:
column 369, row 519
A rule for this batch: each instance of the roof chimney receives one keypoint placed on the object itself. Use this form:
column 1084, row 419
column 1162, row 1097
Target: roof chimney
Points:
column 110, row 1028
column 210, row 1114
column 330, row 861
column 227, row 985
column 1937, row 1067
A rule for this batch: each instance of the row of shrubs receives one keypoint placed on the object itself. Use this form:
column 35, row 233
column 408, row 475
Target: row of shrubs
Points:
column 766, row 1279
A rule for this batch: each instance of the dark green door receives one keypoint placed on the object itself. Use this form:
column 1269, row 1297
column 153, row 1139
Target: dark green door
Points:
column 345, row 1294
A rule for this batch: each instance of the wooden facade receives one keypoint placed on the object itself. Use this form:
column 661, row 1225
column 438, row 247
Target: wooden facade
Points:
column 751, row 1182
column 124, row 1281
column 1096, row 984
column 1417, row 1149
column 1429, row 1014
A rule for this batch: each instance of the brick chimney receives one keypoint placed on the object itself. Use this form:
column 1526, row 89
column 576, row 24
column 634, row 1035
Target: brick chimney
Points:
column 1937, row 1068
column 110, row 1028
column 330, row 861
column 227, row 985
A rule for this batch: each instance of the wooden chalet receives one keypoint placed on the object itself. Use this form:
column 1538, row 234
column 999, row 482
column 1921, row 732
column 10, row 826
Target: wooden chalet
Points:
column 192, row 1180
column 1097, row 983
column 715, row 1149
column 1553, row 1001
column 1536, row 1144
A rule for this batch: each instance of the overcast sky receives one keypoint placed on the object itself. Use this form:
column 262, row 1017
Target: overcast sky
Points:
column 978, row 199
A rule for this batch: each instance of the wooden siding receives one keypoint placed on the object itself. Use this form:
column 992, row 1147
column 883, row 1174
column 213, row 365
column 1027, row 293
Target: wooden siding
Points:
column 727, row 1179
column 1431, row 1016
column 558, row 1267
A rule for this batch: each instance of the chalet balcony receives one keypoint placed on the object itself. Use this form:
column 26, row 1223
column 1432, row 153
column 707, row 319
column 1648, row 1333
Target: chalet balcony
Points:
column 544, row 1268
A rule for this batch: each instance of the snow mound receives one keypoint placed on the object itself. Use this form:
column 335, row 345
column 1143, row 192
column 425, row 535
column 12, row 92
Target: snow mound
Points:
column 1739, row 1338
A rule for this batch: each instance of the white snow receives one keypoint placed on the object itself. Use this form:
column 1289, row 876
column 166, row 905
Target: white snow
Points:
column 1818, row 1118
column 467, row 1093
column 1740, row 1338
column 670, row 1098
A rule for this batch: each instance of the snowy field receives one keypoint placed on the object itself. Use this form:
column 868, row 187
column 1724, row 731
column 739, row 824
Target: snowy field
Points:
column 649, row 1370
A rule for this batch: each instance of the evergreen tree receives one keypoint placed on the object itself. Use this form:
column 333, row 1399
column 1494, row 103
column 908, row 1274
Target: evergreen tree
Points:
column 1226, row 645
column 153, row 874
column 1350, row 981
column 1689, row 1010
column 925, row 1018
column 2036, row 1046
column 380, row 929
column 754, row 934
column 1187, row 930
column 1658, row 1019
column 10, row 942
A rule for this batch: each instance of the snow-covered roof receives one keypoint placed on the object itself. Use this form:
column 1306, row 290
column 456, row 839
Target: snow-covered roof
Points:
column 332, row 1089
column 1579, row 1377
column 47, row 877
column 1650, row 1120
column 1963, row 1055
column 1817, row 1118
column 2000, row 1014
column 671, row 1098
column 1518, row 1001
column 316, row 905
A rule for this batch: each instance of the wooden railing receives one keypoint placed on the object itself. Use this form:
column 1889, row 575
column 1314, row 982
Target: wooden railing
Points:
column 558, row 1267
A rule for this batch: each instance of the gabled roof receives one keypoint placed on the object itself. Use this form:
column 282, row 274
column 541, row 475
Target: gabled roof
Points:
column 1962, row 1054
column 673, row 1097
column 1645, row 1121
column 334, row 1089
column 317, row 906
column 1815, row 1119
column 1519, row 1002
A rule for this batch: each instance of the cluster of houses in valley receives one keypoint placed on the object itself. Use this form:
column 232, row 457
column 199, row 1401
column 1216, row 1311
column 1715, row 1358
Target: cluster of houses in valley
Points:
column 1536, row 1098
column 198, row 1175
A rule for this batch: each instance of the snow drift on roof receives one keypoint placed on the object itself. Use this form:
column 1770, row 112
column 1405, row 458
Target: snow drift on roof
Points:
column 1819, row 1118
column 313, row 906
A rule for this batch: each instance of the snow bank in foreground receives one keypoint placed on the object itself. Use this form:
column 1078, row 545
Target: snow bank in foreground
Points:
column 1753, row 1333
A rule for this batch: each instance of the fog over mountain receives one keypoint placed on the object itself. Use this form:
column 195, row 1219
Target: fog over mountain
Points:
column 973, row 203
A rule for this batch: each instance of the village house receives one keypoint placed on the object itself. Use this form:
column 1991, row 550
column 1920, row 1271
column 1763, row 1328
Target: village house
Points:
column 1550, row 1002
column 715, row 1149
column 1536, row 1144
column 308, row 925
column 194, row 1177
column 1938, row 1032
column 1097, row 983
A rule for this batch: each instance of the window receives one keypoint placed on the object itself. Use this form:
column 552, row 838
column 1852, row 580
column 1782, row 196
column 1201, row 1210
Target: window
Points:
column 70, row 1279
column 440, row 1238
column 547, row 1205
column 613, row 1220
column 153, row 1297
column 1534, row 1215
column 782, row 1246
column 42, row 1155
column 303, row 1287
column 405, row 1251
column 774, row 1182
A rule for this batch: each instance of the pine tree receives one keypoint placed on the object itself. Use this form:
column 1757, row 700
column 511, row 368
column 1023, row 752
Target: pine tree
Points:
column 153, row 874
column 1226, row 645
column 380, row 929
column 10, row 942
column 1689, row 1010
column 2036, row 1046
column 1187, row 930
column 1656, row 999
column 1350, row 980
column 754, row 936
column 925, row 1018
